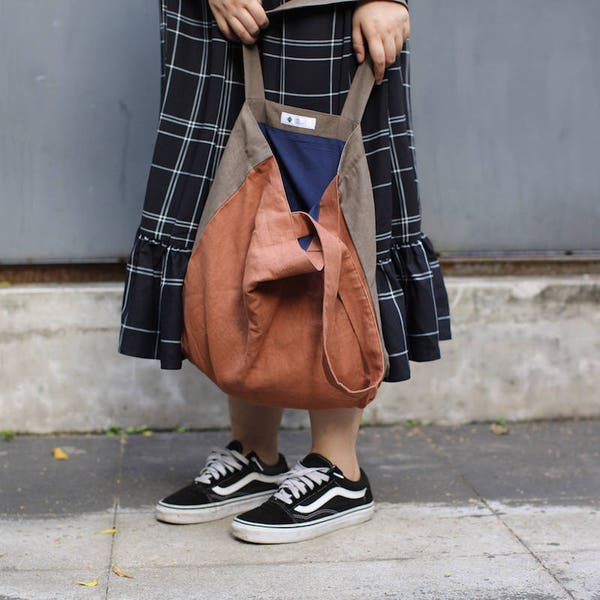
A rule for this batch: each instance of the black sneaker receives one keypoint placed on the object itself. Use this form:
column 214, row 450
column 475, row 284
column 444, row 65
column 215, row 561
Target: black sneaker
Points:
column 229, row 483
column 315, row 498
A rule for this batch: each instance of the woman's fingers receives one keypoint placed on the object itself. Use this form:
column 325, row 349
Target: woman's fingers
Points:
column 225, row 29
column 383, row 51
column 391, row 50
column 247, row 32
column 239, row 20
column 399, row 42
column 257, row 12
column 382, row 26
column 358, row 42
column 377, row 52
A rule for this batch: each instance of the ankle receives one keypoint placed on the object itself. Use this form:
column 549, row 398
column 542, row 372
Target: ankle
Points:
column 347, row 463
column 270, row 459
column 268, row 454
column 351, row 472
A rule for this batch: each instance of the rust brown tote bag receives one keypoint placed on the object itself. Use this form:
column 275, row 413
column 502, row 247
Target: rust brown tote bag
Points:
column 279, row 299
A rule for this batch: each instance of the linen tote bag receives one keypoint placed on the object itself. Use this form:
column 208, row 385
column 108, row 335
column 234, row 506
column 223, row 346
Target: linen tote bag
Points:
column 279, row 298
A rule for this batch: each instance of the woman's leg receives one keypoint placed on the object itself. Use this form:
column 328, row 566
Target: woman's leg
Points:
column 334, row 433
column 256, row 427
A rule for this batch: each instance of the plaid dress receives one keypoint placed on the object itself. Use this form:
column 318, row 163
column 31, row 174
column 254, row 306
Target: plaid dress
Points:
column 308, row 61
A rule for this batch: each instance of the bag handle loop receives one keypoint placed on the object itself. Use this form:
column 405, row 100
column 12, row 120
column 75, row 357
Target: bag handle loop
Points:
column 329, row 256
column 336, row 259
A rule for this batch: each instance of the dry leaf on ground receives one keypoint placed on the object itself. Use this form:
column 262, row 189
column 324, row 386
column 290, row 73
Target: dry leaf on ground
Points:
column 120, row 573
column 91, row 583
column 59, row 454
column 498, row 429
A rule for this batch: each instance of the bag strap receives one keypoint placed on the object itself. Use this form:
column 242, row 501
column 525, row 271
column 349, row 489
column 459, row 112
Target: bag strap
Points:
column 359, row 91
column 335, row 261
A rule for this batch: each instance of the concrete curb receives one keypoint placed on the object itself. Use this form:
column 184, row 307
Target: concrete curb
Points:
column 523, row 348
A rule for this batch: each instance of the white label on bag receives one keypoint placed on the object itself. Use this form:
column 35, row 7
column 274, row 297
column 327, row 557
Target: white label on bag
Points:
column 298, row 121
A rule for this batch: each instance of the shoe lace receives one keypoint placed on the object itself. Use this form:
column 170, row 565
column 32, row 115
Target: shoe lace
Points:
column 298, row 480
column 219, row 462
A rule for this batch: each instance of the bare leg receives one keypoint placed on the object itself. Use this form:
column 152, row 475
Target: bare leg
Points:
column 334, row 433
column 256, row 427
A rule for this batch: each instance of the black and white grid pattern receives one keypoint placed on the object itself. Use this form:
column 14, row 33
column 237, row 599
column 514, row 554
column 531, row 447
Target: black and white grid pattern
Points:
column 308, row 61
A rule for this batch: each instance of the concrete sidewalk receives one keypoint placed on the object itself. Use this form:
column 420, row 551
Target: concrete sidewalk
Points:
column 462, row 513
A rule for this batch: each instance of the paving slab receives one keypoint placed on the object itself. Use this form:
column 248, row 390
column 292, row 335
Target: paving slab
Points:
column 578, row 572
column 33, row 483
column 396, row 531
column 53, row 585
column 515, row 577
column 565, row 539
column 544, row 528
column 551, row 461
column 70, row 542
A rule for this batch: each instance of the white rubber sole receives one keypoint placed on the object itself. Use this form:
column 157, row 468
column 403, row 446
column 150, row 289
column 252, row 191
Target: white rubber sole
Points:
column 283, row 534
column 203, row 513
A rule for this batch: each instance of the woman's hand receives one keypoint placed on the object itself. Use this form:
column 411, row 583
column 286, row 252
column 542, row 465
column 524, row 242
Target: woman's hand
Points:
column 239, row 20
column 383, row 25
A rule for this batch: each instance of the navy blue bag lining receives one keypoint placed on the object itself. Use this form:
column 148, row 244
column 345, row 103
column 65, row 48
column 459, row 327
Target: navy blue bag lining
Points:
column 307, row 164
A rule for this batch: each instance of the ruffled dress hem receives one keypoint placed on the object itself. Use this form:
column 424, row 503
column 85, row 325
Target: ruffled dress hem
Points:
column 412, row 298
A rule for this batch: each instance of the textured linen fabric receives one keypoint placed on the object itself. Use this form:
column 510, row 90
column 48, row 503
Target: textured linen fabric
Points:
column 308, row 61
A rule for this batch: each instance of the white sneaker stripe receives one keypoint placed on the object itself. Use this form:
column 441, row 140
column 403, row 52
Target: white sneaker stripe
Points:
column 238, row 485
column 327, row 496
column 308, row 524
column 211, row 505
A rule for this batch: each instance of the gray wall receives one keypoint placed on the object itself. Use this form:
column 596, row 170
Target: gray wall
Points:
column 78, row 116
column 507, row 120
column 506, row 102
